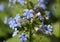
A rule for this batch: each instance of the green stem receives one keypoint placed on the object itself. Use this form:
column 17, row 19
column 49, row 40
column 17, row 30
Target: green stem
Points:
column 30, row 32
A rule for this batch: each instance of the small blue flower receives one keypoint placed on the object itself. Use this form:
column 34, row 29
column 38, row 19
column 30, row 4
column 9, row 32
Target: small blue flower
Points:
column 28, row 13
column 15, row 33
column 21, row 2
column 23, row 37
column 47, row 29
column 17, row 17
column 41, row 18
column 13, row 22
column 2, row 7
column 47, row 14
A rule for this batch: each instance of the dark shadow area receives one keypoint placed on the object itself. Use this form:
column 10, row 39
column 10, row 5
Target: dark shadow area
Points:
column 5, row 28
column 54, row 18
column 1, row 39
column 4, row 0
column 8, row 36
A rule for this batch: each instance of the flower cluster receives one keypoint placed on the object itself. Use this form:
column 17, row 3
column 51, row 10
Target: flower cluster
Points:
column 43, row 27
column 23, row 37
column 42, row 4
column 28, row 13
column 13, row 22
column 48, row 29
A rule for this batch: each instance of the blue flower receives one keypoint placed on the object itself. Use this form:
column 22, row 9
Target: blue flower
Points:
column 21, row 2
column 13, row 22
column 15, row 33
column 2, row 7
column 47, row 29
column 17, row 17
column 41, row 18
column 17, row 24
column 28, row 13
column 47, row 14
column 23, row 37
